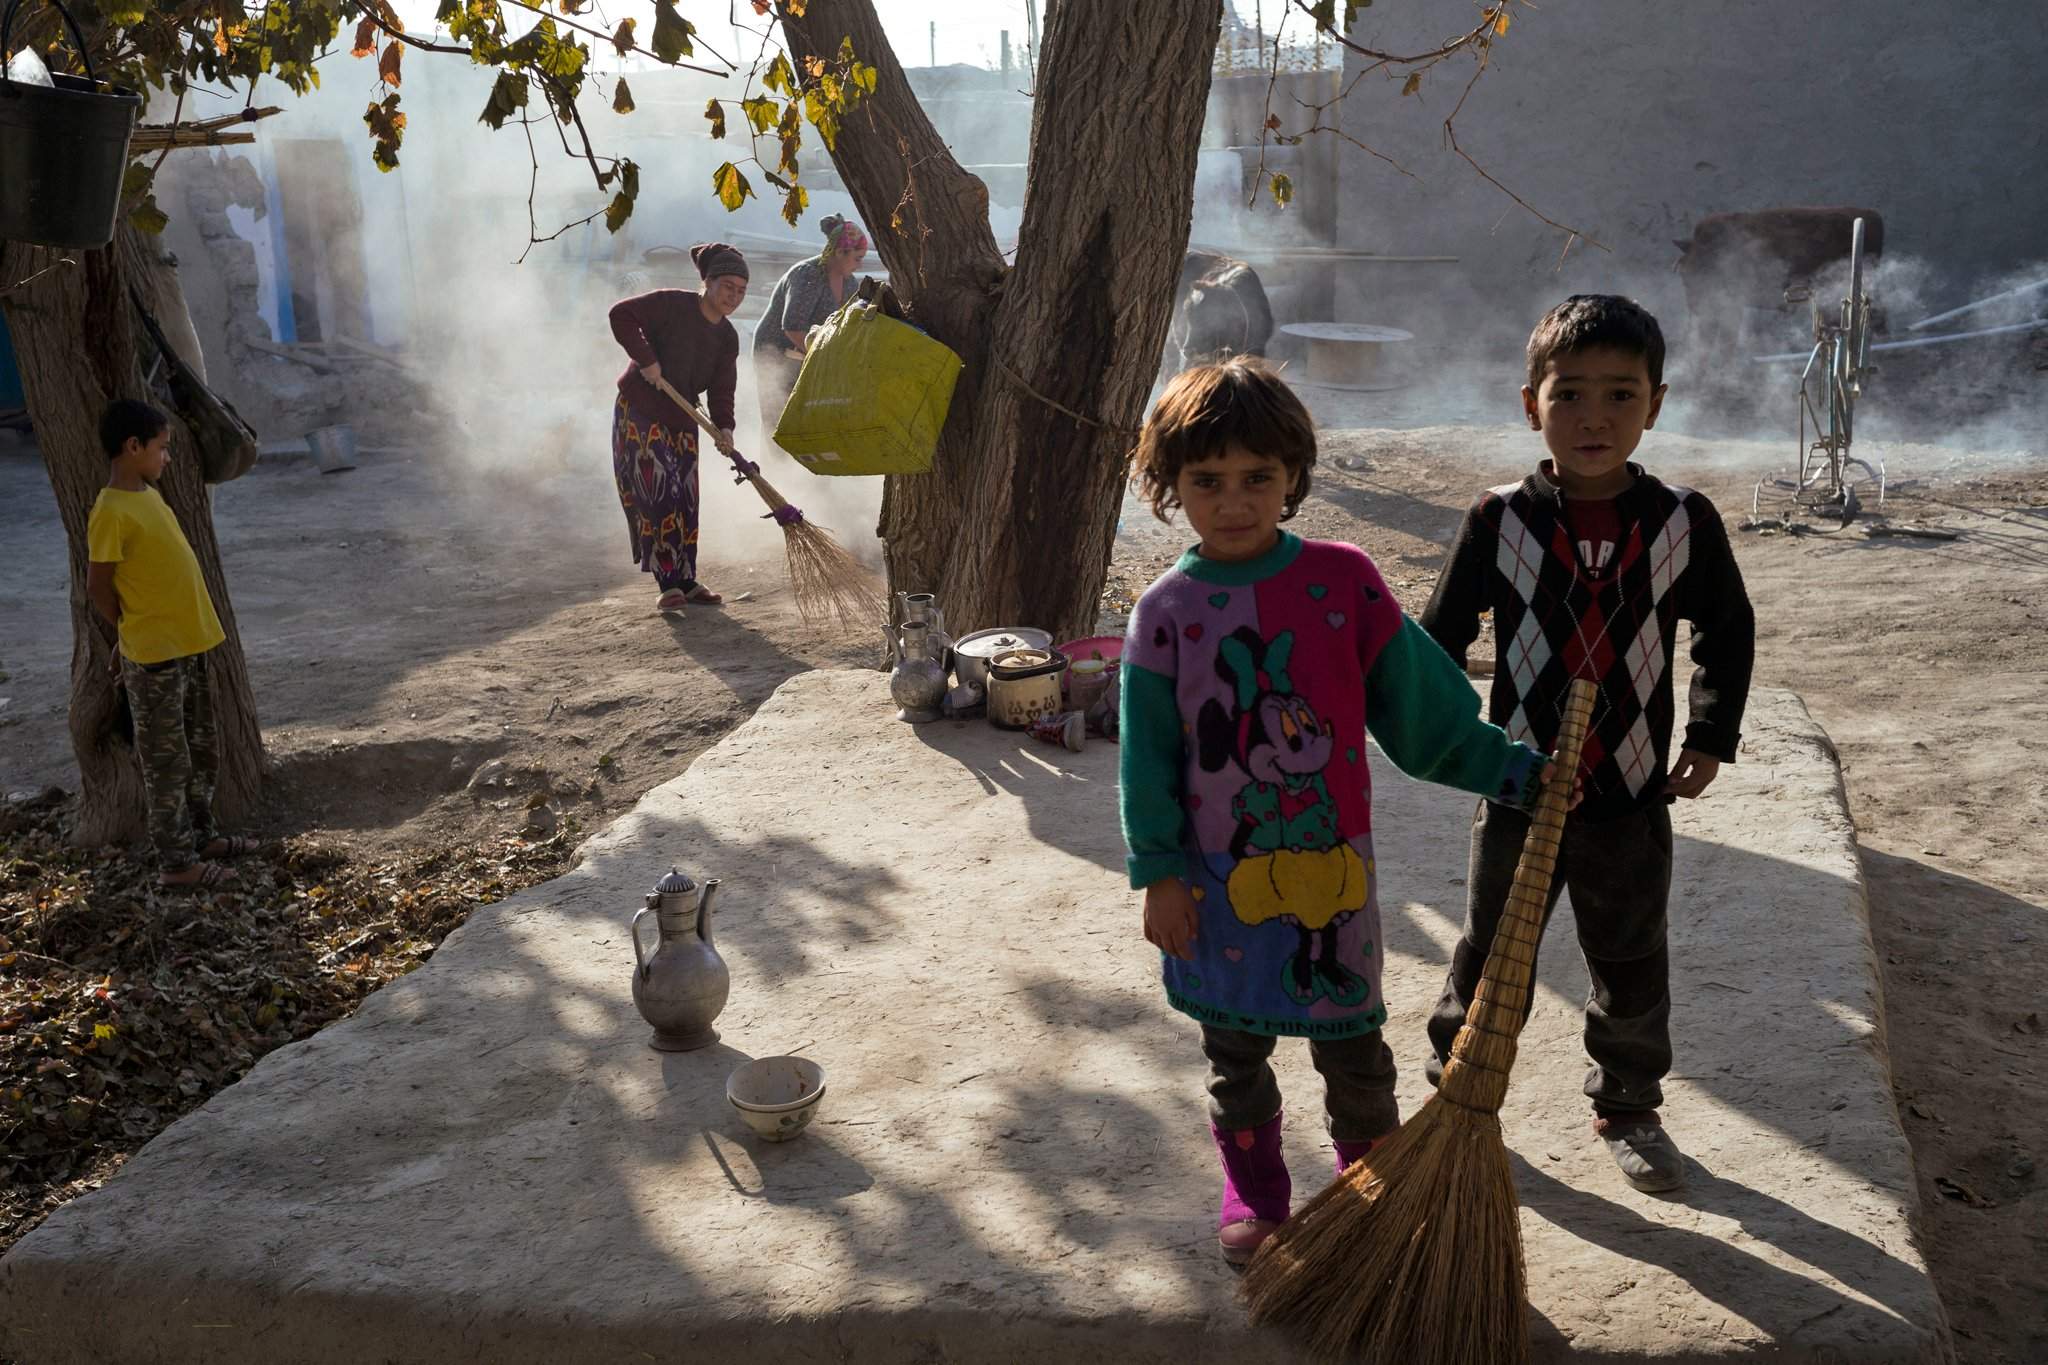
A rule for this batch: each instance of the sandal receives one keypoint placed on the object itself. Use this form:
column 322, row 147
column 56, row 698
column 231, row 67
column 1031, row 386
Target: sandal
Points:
column 704, row 597
column 230, row 846
column 671, row 602
column 210, row 875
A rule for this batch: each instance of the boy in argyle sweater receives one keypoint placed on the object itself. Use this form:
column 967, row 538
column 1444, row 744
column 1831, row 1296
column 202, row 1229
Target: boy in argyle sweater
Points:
column 1588, row 565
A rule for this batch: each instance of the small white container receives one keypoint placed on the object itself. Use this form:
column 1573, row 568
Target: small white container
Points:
column 777, row 1096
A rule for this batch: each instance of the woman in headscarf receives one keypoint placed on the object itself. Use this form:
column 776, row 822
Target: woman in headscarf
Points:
column 810, row 292
column 687, row 339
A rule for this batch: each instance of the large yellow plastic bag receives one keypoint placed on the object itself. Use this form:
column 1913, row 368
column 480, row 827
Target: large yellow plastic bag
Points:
column 871, row 396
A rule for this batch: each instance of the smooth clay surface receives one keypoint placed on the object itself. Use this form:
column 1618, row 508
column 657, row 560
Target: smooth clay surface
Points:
column 489, row 1163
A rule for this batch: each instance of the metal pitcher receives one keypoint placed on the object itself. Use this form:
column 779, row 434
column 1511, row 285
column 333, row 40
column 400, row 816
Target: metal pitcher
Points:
column 917, row 683
column 681, row 987
column 922, row 609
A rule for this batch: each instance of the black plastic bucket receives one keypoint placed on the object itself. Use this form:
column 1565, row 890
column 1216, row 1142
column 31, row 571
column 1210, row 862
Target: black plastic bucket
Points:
column 63, row 152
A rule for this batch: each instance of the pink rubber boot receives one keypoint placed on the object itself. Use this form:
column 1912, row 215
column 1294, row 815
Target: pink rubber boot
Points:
column 1256, row 1188
column 1350, row 1152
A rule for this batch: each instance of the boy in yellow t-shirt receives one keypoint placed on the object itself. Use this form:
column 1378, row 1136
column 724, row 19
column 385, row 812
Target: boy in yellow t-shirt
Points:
column 145, row 580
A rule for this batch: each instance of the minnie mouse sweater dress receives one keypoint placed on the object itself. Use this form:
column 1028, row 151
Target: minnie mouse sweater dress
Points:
column 1248, row 691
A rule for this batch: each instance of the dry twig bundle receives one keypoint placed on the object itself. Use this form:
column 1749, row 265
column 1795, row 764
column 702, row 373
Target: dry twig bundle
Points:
column 1414, row 1255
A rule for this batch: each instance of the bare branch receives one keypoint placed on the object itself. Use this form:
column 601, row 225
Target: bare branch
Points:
column 177, row 112
column 1363, row 147
column 1479, row 41
column 560, row 101
column 533, row 237
column 1485, row 25
column 400, row 35
column 566, row 22
column 1266, row 122
column 1451, row 135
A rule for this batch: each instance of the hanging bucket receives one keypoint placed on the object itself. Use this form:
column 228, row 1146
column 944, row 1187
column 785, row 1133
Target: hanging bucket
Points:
column 63, row 151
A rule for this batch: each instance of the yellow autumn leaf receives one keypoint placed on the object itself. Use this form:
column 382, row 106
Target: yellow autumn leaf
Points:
column 102, row 1032
column 1500, row 25
column 732, row 189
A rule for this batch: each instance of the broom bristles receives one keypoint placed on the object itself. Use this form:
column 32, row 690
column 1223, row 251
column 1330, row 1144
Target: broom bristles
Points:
column 828, row 583
column 1414, row 1255
column 1402, row 1260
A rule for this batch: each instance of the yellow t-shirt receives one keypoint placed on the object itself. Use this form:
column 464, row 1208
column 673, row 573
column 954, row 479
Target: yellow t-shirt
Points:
column 165, row 612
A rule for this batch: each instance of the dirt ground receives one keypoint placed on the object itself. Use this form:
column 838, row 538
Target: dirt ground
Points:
column 408, row 624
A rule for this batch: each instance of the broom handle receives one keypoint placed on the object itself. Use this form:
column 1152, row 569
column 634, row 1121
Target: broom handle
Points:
column 1521, row 923
column 776, row 502
column 1485, row 1046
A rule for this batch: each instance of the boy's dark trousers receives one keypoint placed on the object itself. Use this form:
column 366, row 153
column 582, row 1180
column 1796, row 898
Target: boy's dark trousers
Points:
column 1358, row 1082
column 1619, row 874
column 174, row 739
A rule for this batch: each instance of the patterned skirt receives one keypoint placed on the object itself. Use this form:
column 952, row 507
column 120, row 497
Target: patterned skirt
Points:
column 656, row 470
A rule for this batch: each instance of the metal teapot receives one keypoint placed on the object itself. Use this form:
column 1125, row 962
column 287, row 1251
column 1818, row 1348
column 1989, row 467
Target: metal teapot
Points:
column 920, row 609
column 917, row 684
column 683, row 985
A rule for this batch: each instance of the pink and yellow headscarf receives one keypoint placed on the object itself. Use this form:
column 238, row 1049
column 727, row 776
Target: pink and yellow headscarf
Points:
column 841, row 234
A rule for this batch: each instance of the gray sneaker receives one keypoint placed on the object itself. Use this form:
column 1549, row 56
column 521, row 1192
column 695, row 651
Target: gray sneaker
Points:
column 1648, row 1158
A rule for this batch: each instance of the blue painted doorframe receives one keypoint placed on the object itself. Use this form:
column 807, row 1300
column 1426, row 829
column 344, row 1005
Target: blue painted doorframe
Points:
column 11, row 395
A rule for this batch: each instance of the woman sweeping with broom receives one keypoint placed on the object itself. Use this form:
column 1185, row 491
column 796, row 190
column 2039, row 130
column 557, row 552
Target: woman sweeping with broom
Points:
column 1253, row 671
column 686, row 342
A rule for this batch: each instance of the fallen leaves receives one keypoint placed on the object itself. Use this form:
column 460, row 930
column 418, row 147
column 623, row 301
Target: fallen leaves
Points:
column 122, row 1008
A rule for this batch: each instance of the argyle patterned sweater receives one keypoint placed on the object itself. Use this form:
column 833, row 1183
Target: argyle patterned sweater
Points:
column 1553, row 622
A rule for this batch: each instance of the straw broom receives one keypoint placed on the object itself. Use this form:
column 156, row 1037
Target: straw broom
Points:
column 826, row 581
column 1414, row 1255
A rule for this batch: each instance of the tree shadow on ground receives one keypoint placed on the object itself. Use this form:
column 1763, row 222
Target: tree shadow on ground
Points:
column 1968, row 1068
column 488, row 1159
column 394, row 586
column 1050, row 782
column 1997, row 543
column 734, row 651
column 1383, row 504
column 1718, row 1269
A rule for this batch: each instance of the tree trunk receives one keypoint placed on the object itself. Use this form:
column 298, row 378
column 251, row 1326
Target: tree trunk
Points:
column 1016, row 521
column 75, row 336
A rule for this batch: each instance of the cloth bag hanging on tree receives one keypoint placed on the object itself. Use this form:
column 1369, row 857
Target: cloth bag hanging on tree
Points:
column 873, row 392
column 226, row 444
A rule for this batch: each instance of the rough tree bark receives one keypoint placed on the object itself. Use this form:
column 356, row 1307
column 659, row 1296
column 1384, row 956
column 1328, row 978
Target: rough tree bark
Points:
column 1015, row 523
column 75, row 337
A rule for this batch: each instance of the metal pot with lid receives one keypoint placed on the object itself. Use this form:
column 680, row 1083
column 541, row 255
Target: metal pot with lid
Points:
column 971, row 653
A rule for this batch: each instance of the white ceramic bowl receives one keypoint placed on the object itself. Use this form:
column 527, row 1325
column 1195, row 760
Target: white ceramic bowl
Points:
column 777, row 1096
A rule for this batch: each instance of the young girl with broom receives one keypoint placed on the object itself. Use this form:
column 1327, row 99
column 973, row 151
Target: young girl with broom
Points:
column 1252, row 672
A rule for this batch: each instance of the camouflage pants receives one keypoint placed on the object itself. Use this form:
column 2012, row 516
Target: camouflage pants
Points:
column 174, row 738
